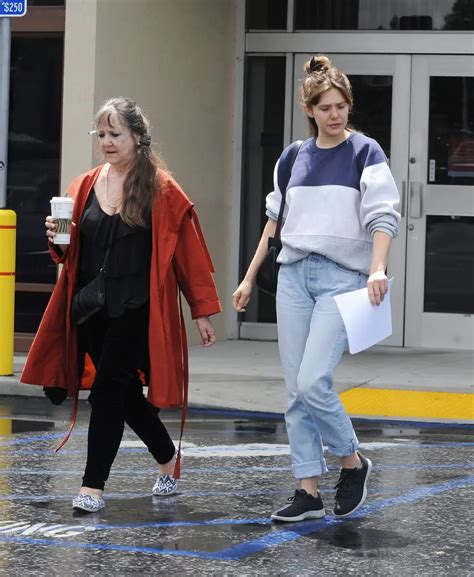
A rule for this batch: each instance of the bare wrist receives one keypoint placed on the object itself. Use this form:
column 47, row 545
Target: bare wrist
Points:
column 377, row 268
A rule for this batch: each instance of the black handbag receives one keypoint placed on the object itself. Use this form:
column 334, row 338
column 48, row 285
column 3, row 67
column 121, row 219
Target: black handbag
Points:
column 90, row 299
column 267, row 274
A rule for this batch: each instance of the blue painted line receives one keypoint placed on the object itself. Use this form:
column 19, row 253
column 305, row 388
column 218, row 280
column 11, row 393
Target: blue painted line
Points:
column 157, row 524
column 153, row 470
column 125, row 450
column 397, row 466
column 122, row 496
column 399, row 445
column 253, row 546
column 417, row 445
column 225, row 494
column 5, row 473
column 46, row 436
column 23, row 440
column 300, row 529
column 81, row 431
column 46, row 452
column 104, row 547
column 208, row 523
column 15, row 439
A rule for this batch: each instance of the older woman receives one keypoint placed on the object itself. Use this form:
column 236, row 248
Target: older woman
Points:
column 132, row 216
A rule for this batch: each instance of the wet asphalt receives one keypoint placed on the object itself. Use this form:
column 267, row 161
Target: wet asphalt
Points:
column 236, row 470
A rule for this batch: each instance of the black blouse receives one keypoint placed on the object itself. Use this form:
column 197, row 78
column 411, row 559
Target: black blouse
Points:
column 127, row 274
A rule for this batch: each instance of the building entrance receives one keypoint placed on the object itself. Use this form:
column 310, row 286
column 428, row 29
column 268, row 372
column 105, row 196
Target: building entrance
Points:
column 419, row 108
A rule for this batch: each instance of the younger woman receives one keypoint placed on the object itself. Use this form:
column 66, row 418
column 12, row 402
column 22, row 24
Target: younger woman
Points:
column 340, row 218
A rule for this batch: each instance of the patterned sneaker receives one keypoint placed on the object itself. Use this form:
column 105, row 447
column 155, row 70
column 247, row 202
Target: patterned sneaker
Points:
column 351, row 488
column 165, row 485
column 301, row 506
column 88, row 503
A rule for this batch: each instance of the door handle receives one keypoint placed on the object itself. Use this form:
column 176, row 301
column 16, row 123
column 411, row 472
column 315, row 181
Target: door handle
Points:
column 416, row 193
column 403, row 197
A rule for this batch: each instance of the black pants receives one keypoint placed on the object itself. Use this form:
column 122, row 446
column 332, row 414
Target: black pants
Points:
column 118, row 347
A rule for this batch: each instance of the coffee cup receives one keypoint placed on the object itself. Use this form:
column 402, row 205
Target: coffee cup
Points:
column 61, row 211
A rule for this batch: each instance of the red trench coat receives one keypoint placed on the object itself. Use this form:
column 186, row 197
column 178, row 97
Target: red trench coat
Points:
column 180, row 262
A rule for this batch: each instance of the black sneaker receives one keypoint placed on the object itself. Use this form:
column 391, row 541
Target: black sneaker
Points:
column 351, row 488
column 300, row 507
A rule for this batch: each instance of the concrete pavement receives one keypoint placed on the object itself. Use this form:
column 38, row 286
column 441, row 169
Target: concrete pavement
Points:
column 236, row 471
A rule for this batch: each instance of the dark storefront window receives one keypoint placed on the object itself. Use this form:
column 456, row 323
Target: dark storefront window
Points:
column 264, row 125
column 33, row 165
column 384, row 15
column 266, row 14
column 451, row 131
column 449, row 265
column 372, row 112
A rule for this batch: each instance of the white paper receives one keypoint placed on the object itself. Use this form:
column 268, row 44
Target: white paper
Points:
column 365, row 324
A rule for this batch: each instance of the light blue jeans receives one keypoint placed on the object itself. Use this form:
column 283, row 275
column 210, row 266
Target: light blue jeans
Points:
column 312, row 338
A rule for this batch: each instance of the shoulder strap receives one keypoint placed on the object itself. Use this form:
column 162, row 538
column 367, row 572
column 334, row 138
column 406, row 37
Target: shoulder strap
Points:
column 283, row 176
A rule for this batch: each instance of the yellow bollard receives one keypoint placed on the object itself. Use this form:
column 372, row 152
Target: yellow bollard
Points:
column 7, row 289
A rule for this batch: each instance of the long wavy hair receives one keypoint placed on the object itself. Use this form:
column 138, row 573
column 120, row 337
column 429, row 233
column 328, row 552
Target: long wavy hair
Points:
column 142, row 183
column 321, row 76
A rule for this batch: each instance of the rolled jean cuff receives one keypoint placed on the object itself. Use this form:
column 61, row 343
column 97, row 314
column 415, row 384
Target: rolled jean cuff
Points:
column 311, row 469
column 345, row 450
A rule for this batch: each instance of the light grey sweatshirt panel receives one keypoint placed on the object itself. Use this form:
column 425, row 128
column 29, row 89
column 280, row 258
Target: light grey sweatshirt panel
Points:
column 336, row 199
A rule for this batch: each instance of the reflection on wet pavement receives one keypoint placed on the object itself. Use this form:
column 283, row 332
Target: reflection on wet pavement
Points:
column 353, row 536
column 236, row 470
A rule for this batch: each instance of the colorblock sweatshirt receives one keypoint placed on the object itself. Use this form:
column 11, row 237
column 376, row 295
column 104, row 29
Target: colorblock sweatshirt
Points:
column 336, row 199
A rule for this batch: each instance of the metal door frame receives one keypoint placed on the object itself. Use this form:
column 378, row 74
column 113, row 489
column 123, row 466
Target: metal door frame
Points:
column 397, row 66
column 431, row 329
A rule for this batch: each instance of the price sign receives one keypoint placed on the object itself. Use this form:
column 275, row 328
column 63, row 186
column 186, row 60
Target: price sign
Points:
column 12, row 8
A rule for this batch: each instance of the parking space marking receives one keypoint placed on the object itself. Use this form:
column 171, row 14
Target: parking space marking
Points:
column 251, row 469
column 270, row 539
column 218, row 453
column 300, row 529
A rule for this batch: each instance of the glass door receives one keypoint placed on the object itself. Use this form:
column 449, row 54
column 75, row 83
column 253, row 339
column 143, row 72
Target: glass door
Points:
column 440, row 236
column 381, row 105
column 421, row 110
column 36, row 78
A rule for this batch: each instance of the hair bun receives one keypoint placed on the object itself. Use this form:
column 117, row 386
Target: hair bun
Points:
column 317, row 63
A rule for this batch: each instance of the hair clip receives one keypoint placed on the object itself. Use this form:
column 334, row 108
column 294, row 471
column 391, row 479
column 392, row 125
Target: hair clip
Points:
column 145, row 140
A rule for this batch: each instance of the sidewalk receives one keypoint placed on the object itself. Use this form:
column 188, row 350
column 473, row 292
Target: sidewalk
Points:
column 384, row 382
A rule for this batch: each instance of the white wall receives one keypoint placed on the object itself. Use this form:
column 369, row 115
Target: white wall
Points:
column 78, row 88
column 176, row 59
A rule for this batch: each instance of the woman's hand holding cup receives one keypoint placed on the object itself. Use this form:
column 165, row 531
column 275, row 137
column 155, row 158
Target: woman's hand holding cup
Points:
column 51, row 228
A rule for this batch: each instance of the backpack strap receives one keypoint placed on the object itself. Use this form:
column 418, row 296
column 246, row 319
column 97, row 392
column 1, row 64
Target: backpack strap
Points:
column 285, row 164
